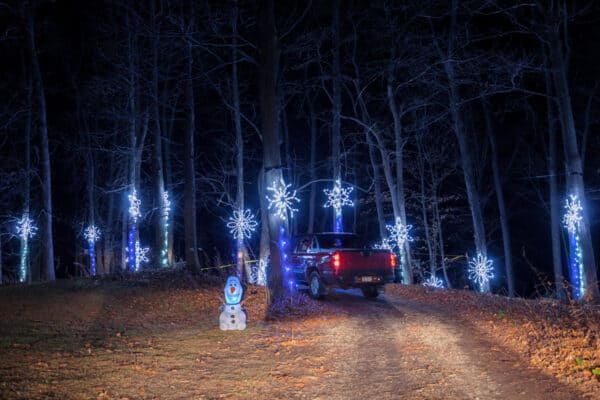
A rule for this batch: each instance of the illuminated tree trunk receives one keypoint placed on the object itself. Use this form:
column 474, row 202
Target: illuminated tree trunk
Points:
column 336, row 137
column 573, row 165
column 26, row 262
column 47, row 237
column 504, row 226
column 400, row 211
column 268, row 71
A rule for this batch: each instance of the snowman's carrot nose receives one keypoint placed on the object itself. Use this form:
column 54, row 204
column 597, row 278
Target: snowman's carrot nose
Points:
column 232, row 289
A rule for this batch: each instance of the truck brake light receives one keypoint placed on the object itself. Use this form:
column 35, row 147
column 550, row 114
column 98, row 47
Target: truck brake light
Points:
column 335, row 261
column 392, row 260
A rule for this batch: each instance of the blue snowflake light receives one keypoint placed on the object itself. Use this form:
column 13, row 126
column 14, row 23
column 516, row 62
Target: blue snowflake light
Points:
column 399, row 234
column 572, row 217
column 434, row 282
column 242, row 224
column 481, row 271
column 282, row 199
column 91, row 234
column 164, row 253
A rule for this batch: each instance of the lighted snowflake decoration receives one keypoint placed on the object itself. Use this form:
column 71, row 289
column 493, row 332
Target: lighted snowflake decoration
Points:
column 572, row 216
column 384, row 245
column 282, row 199
column 338, row 196
column 166, row 203
column 26, row 228
column 434, row 282
column 141, row 255
column 481, row 270
column 242, row 224
column 399, row 234
column 91, row 233
column 134, row 205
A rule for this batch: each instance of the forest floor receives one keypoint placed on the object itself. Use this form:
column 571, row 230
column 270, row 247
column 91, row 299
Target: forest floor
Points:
column 157, row 337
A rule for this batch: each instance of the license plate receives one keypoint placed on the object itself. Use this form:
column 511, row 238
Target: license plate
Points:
column 367, row 279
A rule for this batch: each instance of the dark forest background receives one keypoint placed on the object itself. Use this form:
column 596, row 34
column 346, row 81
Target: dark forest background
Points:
column 457, row 117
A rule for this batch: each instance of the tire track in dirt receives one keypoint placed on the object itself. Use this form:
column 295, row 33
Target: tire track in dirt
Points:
column 393, row 349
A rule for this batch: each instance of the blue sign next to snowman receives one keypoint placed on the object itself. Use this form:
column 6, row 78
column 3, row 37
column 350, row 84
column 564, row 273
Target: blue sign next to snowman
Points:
column 233, row 315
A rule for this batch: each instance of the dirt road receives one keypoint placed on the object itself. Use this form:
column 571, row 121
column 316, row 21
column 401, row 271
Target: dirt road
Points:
column 387, row 348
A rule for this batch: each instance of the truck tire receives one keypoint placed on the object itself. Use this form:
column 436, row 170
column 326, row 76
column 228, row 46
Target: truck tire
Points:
column 370, row 292
column 315, row 286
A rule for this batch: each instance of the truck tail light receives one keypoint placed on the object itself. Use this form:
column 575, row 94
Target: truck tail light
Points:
column 336, row 261
column 392, row 260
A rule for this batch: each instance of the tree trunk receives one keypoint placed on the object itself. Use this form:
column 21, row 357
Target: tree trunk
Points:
column 501, row 204
column 377, row 184
column 428, row 238
column 311, row 167
column 574, row 168
column 268, row 71
column 191, row 239
column 461, row 136
column 557, row 262
column 47, row 237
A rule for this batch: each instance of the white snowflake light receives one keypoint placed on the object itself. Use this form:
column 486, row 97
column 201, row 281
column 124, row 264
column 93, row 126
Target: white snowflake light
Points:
column 166, row 203
column 91, row 234
column 338, row 196
column 134, row 205
column 572, row 216
column 26, row 228
column 384, row 245
column 242, row 224
column 434, row 282
column 141, row 255
column 282, row 199
column 481, row 271
column 399, row 234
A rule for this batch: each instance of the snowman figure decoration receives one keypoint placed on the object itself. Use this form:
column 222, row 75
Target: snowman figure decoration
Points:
column 233, row 315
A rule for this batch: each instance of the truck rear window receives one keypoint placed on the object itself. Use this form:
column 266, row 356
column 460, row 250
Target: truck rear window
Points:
column 332, row 241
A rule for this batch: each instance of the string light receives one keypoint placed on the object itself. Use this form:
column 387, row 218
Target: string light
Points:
column 166, row 211
column 282, row 199
column 384, row 245
column 242, row 224
column 434, row 282
column 572, row 221
column 26, row 229
column 337, row 198
column 572, row 217
column 141, row 255
column 481, row 271
column 134, row 205
column 91, row 234
column 399, row 234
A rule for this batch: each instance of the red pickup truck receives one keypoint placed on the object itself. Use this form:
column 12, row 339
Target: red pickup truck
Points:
column 325, row 260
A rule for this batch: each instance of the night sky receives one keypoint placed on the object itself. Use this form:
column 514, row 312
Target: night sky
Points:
column 501, row 55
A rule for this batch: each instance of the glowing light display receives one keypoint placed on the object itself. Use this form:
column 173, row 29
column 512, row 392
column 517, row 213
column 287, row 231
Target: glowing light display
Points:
column 399, row 234
column 434, row 282
column 384, row 245
column 572, row 221
column 164, row 253
column 337, row 198
column 134, row 205
column 91, row 235
column 242, row 224
column 141, row 255
column 481, row 271
column 282, row 199
column 26, row 229
column 572, row 216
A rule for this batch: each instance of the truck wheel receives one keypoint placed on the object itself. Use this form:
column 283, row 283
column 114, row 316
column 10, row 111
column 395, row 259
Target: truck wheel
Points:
column 370, row 292
column 315, row 286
